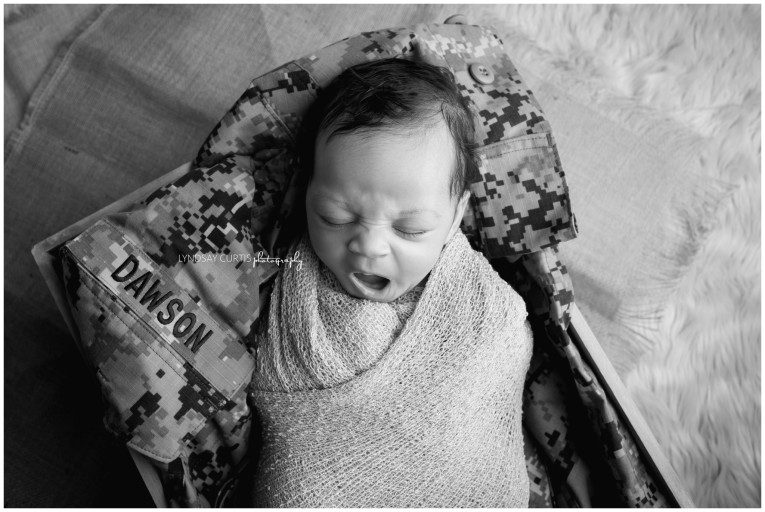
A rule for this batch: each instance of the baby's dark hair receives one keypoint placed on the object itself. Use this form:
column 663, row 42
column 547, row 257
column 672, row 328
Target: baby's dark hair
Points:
column 392, row 93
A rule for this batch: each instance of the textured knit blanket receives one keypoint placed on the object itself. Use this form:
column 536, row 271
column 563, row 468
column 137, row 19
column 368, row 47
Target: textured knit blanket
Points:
column 411, row 403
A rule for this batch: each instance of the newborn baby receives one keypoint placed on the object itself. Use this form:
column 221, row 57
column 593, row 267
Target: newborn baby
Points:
column 392, row 362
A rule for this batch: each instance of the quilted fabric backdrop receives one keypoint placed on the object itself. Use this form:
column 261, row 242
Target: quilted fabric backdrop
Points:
column 656, row 111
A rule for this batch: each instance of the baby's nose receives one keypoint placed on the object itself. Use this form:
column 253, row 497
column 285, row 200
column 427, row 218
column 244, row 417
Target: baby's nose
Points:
column 369, row 243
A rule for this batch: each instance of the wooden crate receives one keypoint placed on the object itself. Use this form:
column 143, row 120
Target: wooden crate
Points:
column 45, row 254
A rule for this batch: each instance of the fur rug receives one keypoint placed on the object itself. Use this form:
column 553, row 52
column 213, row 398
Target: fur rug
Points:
column 694, row 67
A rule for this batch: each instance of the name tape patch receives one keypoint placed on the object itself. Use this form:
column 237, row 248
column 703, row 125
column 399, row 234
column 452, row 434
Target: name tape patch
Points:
column 151, row 297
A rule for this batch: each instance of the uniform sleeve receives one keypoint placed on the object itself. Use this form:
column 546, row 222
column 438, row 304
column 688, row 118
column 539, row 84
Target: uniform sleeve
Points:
column 165, row 326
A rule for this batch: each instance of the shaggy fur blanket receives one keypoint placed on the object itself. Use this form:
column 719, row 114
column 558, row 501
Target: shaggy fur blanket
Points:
column 697, row 375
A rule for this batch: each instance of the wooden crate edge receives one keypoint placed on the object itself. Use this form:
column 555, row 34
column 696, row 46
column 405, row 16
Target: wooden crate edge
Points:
column 626, row 407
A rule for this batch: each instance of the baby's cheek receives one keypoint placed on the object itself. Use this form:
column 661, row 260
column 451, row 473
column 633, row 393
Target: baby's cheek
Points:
column 330, row 252
column 321, row 239
column 325, row 248
column 419, row 262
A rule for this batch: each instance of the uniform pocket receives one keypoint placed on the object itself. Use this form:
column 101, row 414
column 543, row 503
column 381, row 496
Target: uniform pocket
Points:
column 520, row 201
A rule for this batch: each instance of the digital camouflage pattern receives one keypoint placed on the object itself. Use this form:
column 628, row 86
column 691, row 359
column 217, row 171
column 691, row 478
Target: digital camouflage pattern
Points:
column 170, row 330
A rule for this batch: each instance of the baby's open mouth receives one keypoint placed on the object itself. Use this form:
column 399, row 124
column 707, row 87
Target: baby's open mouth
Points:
column 372, row 280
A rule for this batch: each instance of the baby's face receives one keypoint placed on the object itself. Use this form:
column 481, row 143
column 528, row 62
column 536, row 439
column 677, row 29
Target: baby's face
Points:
column 379, row 209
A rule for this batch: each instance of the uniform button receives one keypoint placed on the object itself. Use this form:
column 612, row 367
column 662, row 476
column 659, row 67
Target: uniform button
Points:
column 481, row 74
column 456, row 19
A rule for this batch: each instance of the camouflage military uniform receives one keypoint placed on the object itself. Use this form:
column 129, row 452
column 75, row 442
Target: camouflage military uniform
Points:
column 171, row 338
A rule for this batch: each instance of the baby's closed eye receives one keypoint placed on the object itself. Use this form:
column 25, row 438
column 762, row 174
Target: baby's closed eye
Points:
column 411, row 230
column 334, row 221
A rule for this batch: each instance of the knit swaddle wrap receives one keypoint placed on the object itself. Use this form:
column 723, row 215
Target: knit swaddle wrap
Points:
column 317, row 347
column 362, row 407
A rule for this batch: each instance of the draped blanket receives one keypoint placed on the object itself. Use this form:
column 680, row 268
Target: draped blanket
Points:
column 411, row 403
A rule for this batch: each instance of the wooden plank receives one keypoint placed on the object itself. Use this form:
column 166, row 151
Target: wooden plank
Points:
column 592, row 352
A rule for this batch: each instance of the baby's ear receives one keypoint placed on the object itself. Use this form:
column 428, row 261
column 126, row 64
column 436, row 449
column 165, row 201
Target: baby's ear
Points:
column 459, row 213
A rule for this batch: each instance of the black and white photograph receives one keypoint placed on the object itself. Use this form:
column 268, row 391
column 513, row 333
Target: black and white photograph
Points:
column 382, row 255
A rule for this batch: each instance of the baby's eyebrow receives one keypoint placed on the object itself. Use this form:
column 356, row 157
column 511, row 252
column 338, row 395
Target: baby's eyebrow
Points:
column 332, row 200
column 417, row 211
